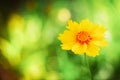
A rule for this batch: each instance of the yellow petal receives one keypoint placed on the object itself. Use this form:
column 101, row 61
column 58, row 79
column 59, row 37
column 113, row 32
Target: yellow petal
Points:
column 100, row 43
column 98, row 36
column 92, row 50
column 73, row 26
column 99, row 31
column 86, row 25
column 68, row 39
column 67, row 46
column 79, row 49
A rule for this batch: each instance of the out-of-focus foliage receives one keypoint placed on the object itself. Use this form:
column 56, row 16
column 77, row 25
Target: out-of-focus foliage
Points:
column 30, row 50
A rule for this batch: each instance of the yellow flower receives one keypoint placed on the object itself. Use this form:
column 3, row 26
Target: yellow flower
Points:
column 85, row 37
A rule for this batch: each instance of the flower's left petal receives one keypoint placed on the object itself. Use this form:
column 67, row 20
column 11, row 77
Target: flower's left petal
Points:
column 92, row 50
column 67, row 46
column 79, row 49
column 68, row 39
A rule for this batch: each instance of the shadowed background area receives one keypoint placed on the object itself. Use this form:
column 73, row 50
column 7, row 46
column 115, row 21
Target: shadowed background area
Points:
column 30, row 50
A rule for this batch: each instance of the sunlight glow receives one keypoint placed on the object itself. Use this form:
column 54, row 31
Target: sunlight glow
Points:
column 64, row 15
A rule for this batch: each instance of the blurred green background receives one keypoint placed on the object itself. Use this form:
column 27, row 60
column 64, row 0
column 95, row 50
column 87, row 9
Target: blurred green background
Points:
column 30, row 50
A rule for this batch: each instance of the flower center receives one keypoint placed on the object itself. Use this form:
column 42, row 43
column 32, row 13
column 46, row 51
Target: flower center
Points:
column 83, row 37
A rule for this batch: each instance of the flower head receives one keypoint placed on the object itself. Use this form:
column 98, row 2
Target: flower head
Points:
column 84, row 37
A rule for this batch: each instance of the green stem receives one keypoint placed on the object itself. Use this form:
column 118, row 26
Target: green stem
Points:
column 87, row 65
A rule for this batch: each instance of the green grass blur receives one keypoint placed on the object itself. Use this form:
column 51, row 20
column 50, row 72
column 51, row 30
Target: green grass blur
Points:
column 30, row 50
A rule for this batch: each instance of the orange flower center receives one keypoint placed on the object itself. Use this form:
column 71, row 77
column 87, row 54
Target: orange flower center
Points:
column 83, row 37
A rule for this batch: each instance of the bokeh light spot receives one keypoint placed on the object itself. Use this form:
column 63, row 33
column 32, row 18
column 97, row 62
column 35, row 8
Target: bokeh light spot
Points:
column 64, row 14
